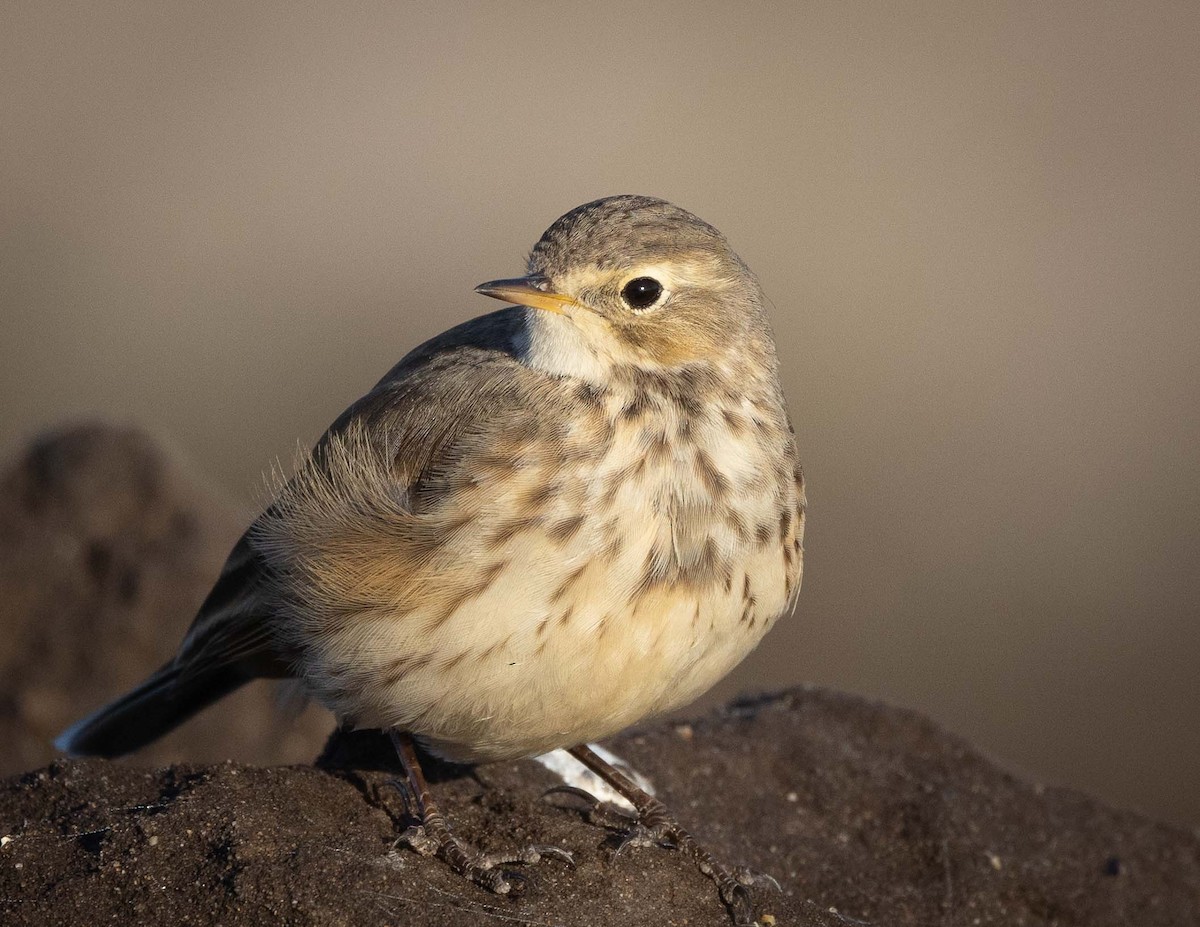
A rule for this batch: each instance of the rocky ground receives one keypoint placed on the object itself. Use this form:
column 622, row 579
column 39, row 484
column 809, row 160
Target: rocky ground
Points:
column 866, row 814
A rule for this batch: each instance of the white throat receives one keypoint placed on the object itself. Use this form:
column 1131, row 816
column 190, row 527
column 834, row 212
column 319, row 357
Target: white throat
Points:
column 558, row 345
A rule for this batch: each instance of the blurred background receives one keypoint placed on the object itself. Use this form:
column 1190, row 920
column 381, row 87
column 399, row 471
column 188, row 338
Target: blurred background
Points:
column 979, row 226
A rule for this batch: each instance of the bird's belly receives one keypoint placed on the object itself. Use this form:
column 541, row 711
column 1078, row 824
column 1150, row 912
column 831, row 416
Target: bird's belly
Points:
column 582, row 679
column 551, row 655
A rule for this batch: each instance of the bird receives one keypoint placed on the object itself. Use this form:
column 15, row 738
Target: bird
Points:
column 539, row 527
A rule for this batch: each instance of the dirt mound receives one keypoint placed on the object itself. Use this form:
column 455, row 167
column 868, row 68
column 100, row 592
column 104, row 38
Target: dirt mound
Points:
column 865, row 814
column 108, row 544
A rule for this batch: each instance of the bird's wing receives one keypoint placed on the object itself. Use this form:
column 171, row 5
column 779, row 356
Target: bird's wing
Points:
column 392, row 456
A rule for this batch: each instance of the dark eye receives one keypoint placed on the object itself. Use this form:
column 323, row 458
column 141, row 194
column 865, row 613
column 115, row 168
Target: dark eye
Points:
column 642, row 292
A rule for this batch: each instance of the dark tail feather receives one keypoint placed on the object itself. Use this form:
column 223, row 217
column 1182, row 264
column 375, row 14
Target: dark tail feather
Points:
column 158, row 705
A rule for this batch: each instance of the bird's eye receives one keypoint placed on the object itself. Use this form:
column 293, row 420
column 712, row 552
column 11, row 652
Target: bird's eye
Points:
column 641, row 293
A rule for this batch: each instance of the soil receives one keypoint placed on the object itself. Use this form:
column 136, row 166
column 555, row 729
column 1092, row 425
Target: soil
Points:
column 864, row 813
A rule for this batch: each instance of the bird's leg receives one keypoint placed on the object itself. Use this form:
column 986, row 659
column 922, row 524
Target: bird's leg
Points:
column 655, row 825
column 433, row 837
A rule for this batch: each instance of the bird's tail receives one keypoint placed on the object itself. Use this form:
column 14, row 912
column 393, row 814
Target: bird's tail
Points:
column 158, row 705
column 228, row 645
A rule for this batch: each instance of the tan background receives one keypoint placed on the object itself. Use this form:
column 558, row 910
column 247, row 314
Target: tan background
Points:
column 979, row 224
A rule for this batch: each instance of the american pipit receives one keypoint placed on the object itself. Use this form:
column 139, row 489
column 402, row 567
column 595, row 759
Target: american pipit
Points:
column 538, row 528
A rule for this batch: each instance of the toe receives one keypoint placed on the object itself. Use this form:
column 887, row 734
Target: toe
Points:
column 417, row 840
column 752, row 879
column 638, row 836
column 557, row 853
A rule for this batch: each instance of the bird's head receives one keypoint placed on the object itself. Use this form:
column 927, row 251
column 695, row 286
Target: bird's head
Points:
column 636, row 280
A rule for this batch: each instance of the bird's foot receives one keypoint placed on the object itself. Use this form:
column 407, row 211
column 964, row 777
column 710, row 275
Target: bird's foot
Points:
column 431, row 835
column 490, row 870
column 655, row 826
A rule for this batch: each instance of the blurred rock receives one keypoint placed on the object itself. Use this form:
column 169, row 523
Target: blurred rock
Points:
column 107, row 547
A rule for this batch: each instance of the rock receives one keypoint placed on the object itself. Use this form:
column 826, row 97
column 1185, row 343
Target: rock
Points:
column 107, row 547
column 866, row 814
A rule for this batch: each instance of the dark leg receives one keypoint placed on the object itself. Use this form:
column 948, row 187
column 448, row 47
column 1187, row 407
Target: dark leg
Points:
column 655, row 825
column 433, row 837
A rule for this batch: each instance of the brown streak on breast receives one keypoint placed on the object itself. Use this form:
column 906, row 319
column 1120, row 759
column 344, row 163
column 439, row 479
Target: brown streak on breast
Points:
column 706, row 564
column 714, row 480
column 508, row 530
column 734, row 420
column 565, row 586
column 491, row 651
column 449, row 606
column 637, row 406
column 539, row 495
column 565, row 529
column 397, row 669
column 658, row 446
column 737, row 522
column 460, row 517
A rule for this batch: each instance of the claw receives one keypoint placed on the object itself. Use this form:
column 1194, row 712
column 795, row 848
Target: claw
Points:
column 407, row 796
column 502, row 880
column 557, row 853
column 751, row 879
column 575, row 792
column 528, row 855
column 597, row 812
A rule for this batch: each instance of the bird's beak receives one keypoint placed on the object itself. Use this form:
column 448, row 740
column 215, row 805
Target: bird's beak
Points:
column 533, row 291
